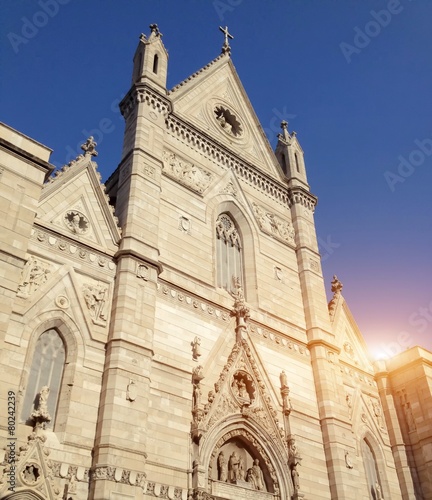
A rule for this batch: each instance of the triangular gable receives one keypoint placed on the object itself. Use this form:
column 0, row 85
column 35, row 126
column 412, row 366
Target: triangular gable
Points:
column 241, row 389
column 349, row 338
column 215, row 101
column 33, row 471
column 63, row 287
column 74, row 204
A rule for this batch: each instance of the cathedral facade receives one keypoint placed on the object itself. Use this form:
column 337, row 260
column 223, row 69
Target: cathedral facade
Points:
column 167, row 334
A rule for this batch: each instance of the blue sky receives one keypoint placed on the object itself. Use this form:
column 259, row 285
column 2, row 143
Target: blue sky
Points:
column 352, row 78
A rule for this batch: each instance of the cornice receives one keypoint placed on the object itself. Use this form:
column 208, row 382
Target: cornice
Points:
column 197, row 73
column 218, row 313
column 27, row 157
column 300, row 195
column 143, row 93
column 78, row 251
column 227, row 159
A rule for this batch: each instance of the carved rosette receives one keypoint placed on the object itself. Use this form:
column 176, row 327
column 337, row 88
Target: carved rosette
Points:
column 186, row 173
column 76, row 222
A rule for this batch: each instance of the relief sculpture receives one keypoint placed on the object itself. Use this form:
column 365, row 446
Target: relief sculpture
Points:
column 186, row 173
column 271, row 224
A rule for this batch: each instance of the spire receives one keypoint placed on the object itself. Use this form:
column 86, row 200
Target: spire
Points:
column 151, row 60
column 226, row 49
column 290, row 156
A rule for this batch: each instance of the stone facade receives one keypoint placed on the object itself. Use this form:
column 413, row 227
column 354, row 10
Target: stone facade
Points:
column 167, row 335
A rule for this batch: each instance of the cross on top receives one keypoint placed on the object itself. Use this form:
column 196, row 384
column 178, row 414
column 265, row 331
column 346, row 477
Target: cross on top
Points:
column 226, row 47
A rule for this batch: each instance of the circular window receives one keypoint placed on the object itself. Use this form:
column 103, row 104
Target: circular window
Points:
column 228, row 121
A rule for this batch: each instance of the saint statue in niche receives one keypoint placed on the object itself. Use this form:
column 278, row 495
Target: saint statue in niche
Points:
column 234, row 467
column 222, row 467
column 255, row 476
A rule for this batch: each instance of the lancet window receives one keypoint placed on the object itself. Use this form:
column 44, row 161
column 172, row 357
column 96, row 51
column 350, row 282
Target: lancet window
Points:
column 229, row 253
column 371, row 469
column 46, row 371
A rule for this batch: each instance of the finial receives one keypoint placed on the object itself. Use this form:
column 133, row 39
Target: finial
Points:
column 226, row 49
column 89, row 147
column 240, row 310
column 155, row 30
column 284, row 125
column 336, row 285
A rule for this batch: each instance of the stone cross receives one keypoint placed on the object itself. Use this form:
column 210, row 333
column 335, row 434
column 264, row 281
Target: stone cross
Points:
column 226, row 47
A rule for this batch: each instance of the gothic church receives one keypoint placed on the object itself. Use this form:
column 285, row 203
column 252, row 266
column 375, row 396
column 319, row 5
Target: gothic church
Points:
column 167, row 335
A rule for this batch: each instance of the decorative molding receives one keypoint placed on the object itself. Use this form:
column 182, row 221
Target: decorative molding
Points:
column 301, row 196
column 143, row 272
column 61, row 244
column 62, row 302
column 278, row 273
column 186, row 173
column 185, row 224
column 273, row 225
column 203, row 307
column 227, row 160
column 194, row 75
column 143, row 94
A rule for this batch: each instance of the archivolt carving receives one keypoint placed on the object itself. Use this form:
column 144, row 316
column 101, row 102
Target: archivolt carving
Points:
column 186, row 173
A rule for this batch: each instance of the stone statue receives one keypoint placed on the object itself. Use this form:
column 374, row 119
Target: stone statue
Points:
column 196, row 348
column 378, row 491
column 349, row 404
column 233, row 467
column 222, row 468
column 378, row 414
column 255, row 476
column 295, row 478
column 40, row 412
column 241, row 470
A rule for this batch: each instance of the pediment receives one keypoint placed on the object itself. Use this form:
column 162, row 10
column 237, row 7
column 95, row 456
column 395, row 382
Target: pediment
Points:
column 75, row 205
column 215, row 101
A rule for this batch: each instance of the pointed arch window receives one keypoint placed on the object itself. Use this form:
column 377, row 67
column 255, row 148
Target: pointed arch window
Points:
column 371, row 469
column 229, row 252
column 46, row 370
